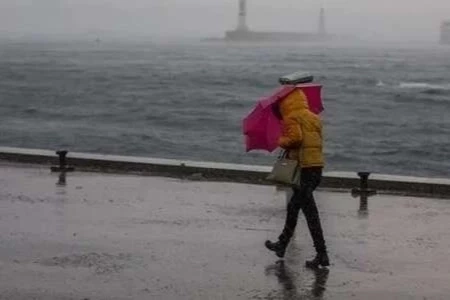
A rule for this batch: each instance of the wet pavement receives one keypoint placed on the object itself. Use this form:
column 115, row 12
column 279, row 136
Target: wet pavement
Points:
column 95, row 236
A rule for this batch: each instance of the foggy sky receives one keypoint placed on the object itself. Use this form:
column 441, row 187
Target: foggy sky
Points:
column 369, row 19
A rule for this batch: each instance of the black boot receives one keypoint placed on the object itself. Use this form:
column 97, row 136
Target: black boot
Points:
column 321, row 259
column 279, row 248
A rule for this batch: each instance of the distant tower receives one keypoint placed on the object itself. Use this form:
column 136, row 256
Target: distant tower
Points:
column 445, row 33
column 322, row 26
column 242, row 22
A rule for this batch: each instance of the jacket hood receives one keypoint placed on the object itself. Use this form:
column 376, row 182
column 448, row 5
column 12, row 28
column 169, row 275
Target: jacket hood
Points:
column 294, row 103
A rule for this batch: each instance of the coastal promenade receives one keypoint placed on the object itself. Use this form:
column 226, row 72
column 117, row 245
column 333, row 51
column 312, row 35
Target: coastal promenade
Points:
column 106, row 235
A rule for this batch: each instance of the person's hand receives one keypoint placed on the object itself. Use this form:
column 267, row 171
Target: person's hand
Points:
column 292, row 154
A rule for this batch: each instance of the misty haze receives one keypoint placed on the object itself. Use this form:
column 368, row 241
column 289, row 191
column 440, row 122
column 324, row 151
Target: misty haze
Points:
column 401, row 20
column 224, row 149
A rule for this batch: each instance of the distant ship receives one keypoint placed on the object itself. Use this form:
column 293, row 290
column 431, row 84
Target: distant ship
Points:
column 445, row 33
column 243, row 33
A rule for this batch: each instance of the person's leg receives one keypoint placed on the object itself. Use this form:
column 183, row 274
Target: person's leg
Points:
column 311, row 213
column 289, row 194
column 293, row 210
column 312, row 218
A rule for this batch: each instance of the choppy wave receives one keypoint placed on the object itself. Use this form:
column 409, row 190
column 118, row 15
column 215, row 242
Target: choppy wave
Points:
column 424, row 86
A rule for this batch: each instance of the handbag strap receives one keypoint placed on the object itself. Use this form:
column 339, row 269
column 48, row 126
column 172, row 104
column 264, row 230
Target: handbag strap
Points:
column 283, row 154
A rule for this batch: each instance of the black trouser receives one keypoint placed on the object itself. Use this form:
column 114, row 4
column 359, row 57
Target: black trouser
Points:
column 303, row 199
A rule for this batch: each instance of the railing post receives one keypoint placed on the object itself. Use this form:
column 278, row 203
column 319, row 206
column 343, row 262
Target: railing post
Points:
column 363, row 192
column 63, row 167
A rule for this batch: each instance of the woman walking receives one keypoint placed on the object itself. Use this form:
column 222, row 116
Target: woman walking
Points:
column 302, row 139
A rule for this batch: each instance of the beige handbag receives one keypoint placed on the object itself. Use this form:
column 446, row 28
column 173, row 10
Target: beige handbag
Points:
column 285, row 171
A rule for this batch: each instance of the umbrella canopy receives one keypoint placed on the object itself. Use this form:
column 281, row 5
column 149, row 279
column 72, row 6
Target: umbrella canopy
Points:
column 262, row 128
column 313, row 95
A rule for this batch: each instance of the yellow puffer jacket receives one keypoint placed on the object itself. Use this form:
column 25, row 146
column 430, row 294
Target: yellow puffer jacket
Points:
column 302, row 131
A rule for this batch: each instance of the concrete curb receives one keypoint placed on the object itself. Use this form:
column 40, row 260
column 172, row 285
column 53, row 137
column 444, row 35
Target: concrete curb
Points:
column 208, row 171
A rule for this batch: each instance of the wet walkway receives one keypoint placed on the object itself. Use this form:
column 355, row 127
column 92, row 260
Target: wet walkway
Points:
column 128, row 237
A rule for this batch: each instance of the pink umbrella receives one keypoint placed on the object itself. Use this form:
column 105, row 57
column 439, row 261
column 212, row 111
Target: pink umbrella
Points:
column 313, row 95
column 262, row 128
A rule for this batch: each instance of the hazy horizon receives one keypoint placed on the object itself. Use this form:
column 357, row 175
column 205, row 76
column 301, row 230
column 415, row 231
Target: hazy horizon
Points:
column 379, row 20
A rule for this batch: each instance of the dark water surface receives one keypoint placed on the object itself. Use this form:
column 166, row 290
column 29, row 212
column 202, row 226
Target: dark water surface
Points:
column 387, row 108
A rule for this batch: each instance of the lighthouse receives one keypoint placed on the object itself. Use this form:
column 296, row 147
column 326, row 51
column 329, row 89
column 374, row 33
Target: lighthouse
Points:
column 445, row 33
column 242, row 18
column 243, row 33
column 322, row 24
